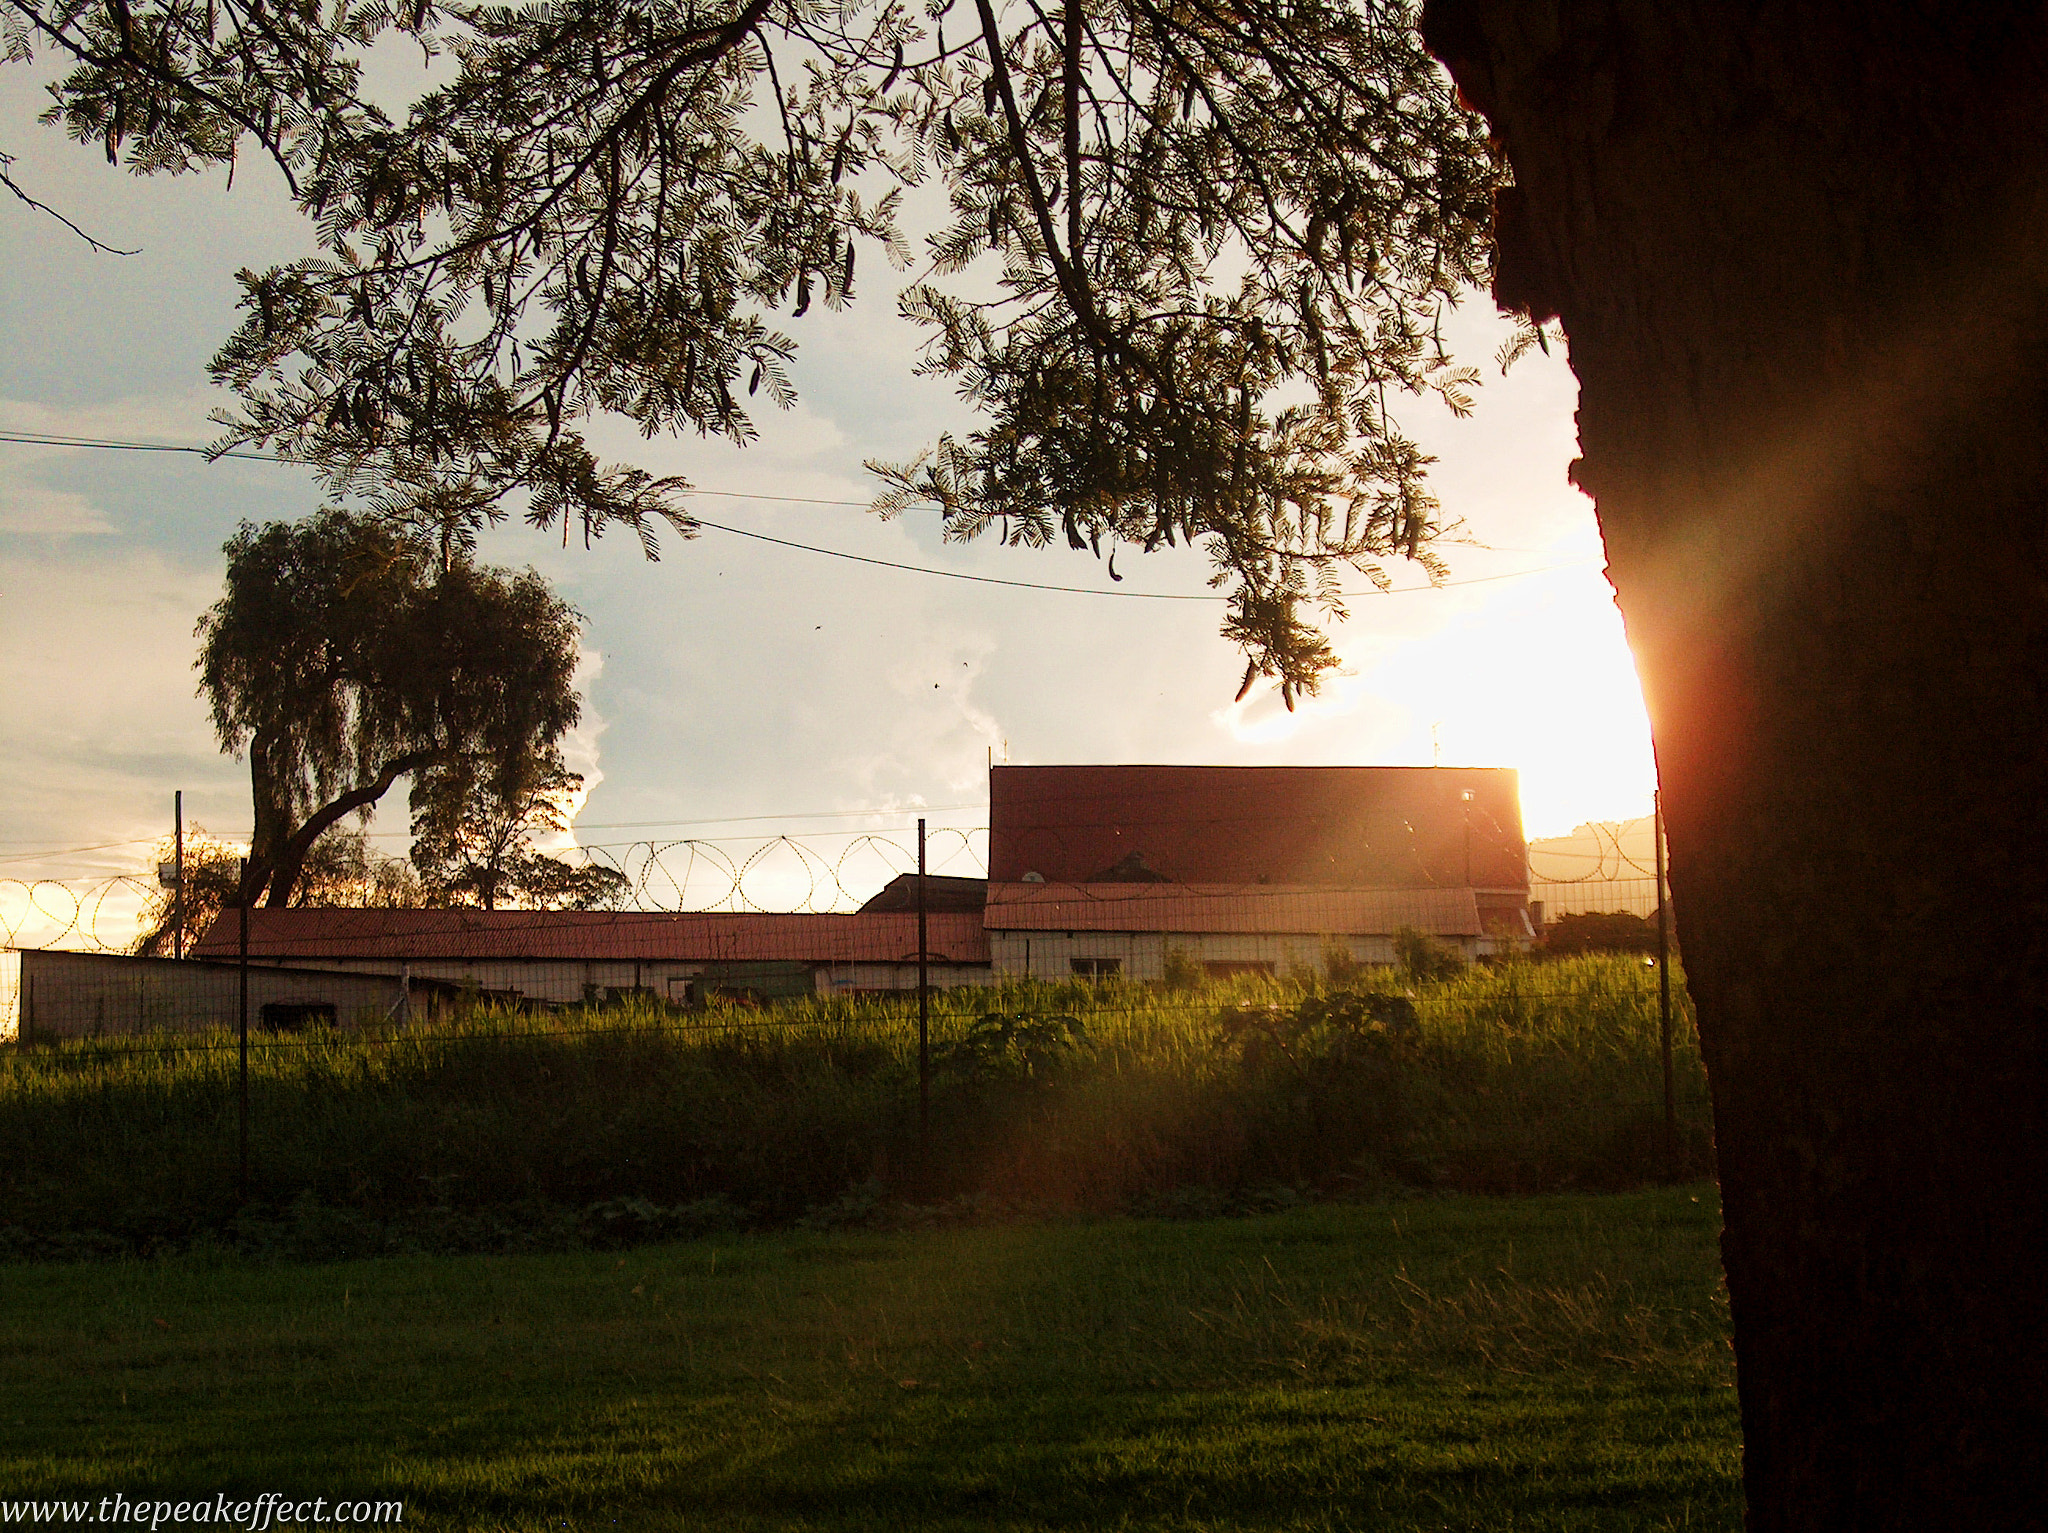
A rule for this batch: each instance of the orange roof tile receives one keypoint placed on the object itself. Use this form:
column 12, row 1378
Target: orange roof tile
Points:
column 871, row 937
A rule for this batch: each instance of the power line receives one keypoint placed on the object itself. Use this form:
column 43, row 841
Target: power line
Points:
column 920, row 569
column 576, row 828
column 55, row 439
column 116, row 444
column 65, row 851
column 752, row 819
column 1036, row 585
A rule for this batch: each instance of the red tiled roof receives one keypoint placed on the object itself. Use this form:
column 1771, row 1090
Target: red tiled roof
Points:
column 1339, row 827
column 872, row 937
column 1230, row 908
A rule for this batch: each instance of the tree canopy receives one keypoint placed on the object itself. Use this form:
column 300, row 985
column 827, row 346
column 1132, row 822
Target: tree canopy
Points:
column 473, row 835
column 346, row 654
column 1187, row 252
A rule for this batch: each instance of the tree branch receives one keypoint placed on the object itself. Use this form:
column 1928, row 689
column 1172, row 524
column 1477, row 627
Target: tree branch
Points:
column 43, row 207
column 292, row 855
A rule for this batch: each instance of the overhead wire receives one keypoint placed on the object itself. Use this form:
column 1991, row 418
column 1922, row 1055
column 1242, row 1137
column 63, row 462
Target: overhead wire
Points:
column 67, row 851
column 894, row 812
column 111, row 444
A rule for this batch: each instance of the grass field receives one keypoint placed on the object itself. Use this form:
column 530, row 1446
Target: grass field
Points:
column 1447, row 1362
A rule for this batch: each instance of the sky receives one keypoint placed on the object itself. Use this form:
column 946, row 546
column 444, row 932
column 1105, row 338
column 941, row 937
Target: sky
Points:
column 735, row 691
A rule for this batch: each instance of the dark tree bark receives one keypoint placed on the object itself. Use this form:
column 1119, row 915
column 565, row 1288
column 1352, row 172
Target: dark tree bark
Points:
column 1798, row 253
column 271, row 796
column 291, row 857
column 277, row 848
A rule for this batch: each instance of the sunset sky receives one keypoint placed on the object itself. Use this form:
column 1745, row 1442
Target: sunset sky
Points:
column 735, row 680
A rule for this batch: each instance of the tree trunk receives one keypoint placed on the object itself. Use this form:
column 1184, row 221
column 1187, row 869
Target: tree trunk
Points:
column 1797, row 251
column 291, row 855
column 270, row 792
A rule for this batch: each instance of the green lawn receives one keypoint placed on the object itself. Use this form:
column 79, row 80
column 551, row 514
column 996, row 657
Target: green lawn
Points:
column 1553, row 1362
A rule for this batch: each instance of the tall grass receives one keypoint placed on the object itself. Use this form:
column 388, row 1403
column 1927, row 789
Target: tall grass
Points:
column 495, row 1129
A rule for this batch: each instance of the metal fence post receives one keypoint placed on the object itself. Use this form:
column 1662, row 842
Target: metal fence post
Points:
column 924, row 996
column 178, row 873
column 1664, row 991
column 242, row 1113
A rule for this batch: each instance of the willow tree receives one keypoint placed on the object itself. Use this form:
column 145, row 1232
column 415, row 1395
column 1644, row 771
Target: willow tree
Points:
column 346, row 655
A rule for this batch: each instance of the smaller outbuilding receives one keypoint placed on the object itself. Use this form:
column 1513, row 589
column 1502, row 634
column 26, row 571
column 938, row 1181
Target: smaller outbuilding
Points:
column 564, row 956
column 104, row 995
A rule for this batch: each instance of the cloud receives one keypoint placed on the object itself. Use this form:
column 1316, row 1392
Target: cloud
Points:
column 178, row 418
column 29, row 509
column 36, row 501
column 103, row 720
column 734, row 678
column 580, row 751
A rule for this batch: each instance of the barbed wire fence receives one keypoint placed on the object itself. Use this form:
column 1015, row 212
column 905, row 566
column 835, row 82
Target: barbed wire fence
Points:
column 789, row 874
column 815, row 873
column 1608, row 876
column 57, row 911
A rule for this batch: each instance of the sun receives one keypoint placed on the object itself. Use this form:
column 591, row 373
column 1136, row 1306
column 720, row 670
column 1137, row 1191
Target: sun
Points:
column 1539, row 678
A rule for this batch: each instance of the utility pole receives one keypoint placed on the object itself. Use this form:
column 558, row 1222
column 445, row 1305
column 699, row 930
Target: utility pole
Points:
column 178, row 873
column 924, row 999
column 1664, row 987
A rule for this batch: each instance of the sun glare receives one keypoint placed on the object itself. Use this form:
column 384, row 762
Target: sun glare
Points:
column 1543, row 682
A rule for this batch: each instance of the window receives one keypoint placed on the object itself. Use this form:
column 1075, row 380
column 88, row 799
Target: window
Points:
column 1096, row 968
column 296, row 1016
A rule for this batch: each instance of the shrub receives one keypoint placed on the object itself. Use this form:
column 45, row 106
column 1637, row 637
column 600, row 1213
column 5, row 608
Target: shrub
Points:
column 1423, row 960
column 1593, row 931
column 1340, row 968
column 611, row 1125
column 1183, row 971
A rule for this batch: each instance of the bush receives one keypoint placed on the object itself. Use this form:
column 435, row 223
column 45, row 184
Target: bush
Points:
column 1423, row 960
column 1183, row 971
column 1592, row 931
column 1340, row 968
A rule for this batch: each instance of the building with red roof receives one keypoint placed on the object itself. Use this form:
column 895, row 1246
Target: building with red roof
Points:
column 1098, row 870
column 558, row 956
column 1093, row 871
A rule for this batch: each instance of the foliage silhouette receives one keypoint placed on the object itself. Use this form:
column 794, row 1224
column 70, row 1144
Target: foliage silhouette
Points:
column 345, row 655
column 1186, row 254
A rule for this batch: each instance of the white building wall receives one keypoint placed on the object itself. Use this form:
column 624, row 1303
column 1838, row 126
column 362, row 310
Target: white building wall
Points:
column 560, row 980
column 1142, row 955
column 93, row 995
column 838, row 978
column 565, row 981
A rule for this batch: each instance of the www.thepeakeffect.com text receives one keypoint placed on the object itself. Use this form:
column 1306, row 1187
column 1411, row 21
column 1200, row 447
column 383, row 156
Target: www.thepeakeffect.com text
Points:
column 255, row 1513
